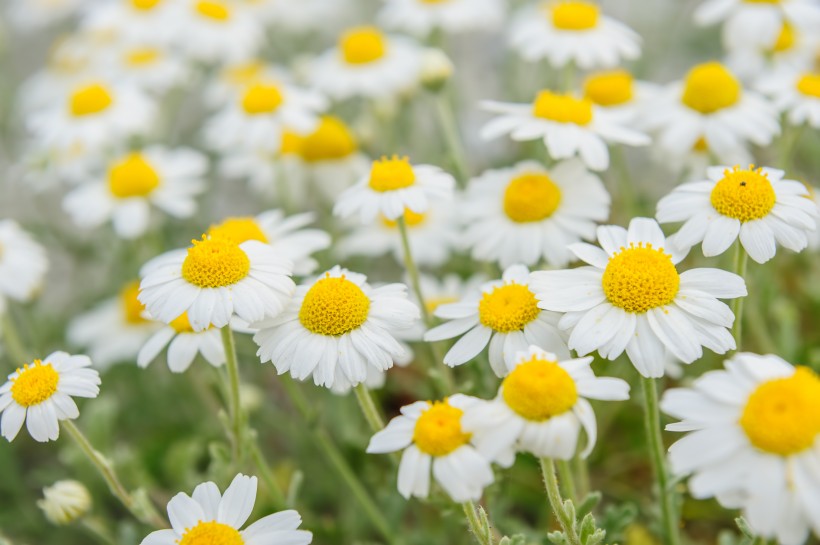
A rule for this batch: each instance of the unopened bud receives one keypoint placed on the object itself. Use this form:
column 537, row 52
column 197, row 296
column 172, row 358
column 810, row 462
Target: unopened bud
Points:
column 65, row 501
column 436, row 69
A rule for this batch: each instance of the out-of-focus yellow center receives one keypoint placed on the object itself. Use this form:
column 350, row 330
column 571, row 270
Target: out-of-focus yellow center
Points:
column 785, row 39
column 362, row 45
column 438, row 430
column 539, row 389
column 575, row 15
column 142, row 57
column 334, row 306
column 809, row 84
column 432, row 303
column 34, row 384
column 745, row 195
column 562, row 108
column 214, row 10
column 181, row 324
column 132, row 309
column 211, row 533
column 531, row 196
column 508, row 308
column 89, row 100
column 640, row 278
column 262, row 98
column 215, row 262
column 411, row 219
column 710, row 87
column 331, row 140
column 132, row 176
column 145, row 5
column 609, row 88
column 238, row 230
column 390, row 174
column 245, row 73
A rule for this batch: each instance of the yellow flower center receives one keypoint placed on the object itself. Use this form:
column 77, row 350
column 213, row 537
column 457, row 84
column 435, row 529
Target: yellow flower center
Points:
column 214, row 10
column 89, row 100
column 245, row 73
column 508, row 308
column 539, row 389
column 238, row 230
column 743, row 194
column 181, row 324
column 786, row 38
column 215, row 262
column 362, row 45
column 132, row 176
column 762, row 1
column 575, row 15
column 334, row 306
column 609, row 88
column 432, row 303
column 562, row 108
column 291, row 143
column 142, row 57
column 531, row 196
column 391, row 174
column 145, row 5
column 132, row 309
column 701, row 145
column 438, row 430
column 211, row 533
column 411, row 219
column 34, row 384
column 809, row 85
column 261, row 98
column 640, row 278
column 710, row 87
column 331, row 140
column 782, row 416
column 433, row 1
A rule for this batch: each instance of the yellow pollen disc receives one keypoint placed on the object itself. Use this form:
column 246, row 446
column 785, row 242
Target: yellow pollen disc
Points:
column 710, row 87
column 438, row 430
column 244, row 74
column 145, row 5
column 411, row 219
column 391, row 174
column 89, row 100
column 433, row 1
column 214, row 10
column 743, row 194
column 640, row 278
column 132, row 309
column 211, row 533
column 142, row 57
column 762, row 1
column 786, row 38
column 362, row 45
column 539, row 389
column 701, row 145
column 181, row 324
column 575, row 15
column 331, row 140
column 531, row 196
column 433, row 303
column 809, row 85
column 132, row 176
column 261, row 98
column 238, row 230
column 34, row 384
column 291, row 143
column 782, row 416
column 562, row 108
column 334, row 306
column 508, row 308
column 215, row 262
column 609, row 88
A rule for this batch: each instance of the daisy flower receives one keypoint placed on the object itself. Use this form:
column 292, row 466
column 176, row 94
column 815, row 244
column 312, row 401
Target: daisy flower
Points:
column 541, row 408
column 183, row 345
column 136, row 182
column 302, row 17
column 752, row 443
column 441, row 290
column 39, row 394
column 572, row 32
column 393, row 186
column 505, row 315
column 206, row 516
column 152, row 68
column 215, row 279
column 794, row 49
column 134, row 21
column 367, row 63
column 568, row 125
column 756, row 206
column 631, row 297
column 432, row 438
column 23, row 264
column 335, row 328
column 65, row 501
column 528, row 213
column 420, row 17
column 796, row 94
column 618, row 91
column 215, row 31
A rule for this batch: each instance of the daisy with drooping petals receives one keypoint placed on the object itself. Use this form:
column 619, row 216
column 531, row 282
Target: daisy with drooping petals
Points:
column 135, row 183
column 215, row 31
column 39, row 394
column 631, row 298
column 335, row 328
column 752, row 443
column 572, row 31
column 505, row 315
column 206, row 516
column 568, row 125
column 541, row 407
column 432, row 439
column 183, row 345
column 215, row 279
column 420, row 17
column 23, row 264
column 756, row 206
column 393, row 186
column 796, row 94
column 527, row 213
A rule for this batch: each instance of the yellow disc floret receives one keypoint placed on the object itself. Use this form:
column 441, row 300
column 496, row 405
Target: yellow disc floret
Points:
column 215, row 262
column 531, row 196
column 214, row 10
column 181, row 324
column 141, row 57
column 786, row 38
column 574, row 15
column 334, row 306
column 411, row 219
column 782, row 416
column 331, row 140
column 809, row 84
column 362, row 45
column 132, row 309
column 609, row 88
column 262, row 98
column 539, row 389
column 89, row 100
column 508, row 308
column 238, row 230
column 211, row 533
column 745, row 195
column 562, row 108
column 640, row 278
column 438, row 430
column 145, row 5
column 710, row 87
column 391, row 174
column 34, row 384
column 132, row 176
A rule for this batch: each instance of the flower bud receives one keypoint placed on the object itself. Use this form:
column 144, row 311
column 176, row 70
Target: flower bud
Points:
column 436, row 69
column 65, row 501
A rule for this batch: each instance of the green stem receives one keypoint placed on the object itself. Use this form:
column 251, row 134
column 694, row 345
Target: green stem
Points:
column 657, row 456
column 267, row 476
column 557, row 504
column 582, row 474
column 568, row 480
column 452, row 137
column 741, row 258
column 234, row 407
column 368, row 406
column 476, row 527
column 788, row 146
column 13, row 343
column 96, row 529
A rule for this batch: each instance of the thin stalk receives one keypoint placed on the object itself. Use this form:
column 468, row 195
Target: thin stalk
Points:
column 368, row 406
column 582, row 474
column 452, row 137
column 476, row 528
column 234, row 407
column 13, row 343
column 557, row 504
column 788, row 147
column 267, row 476
column 96, row 529
column 741, row 258
column 565, row 472
column 760, row 541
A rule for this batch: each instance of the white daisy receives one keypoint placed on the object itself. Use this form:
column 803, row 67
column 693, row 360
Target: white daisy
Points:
column 528, row 213
column 215, row 31
column 392, row 186
column 631, row 297
column 23, row 264
column 65, row 502
column 39, row 394
column 794, row 49
column 756, row 206
column 336, row 327
column 431, row 438
column 152, row 68
column 136, row 182
column 796, row 94
column 183, row 345
column 752, row 443
column 618, row 91
column 303, row 16
column 572, row 31
column 505, row 315
column 206, row 516
column 133, row 21
column 420, row 17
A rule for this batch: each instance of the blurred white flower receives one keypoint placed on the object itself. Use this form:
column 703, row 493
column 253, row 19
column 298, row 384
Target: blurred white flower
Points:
column 420, row 17
column 23, row 264
column 65, row 501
